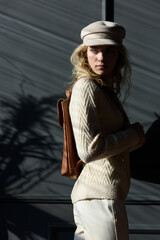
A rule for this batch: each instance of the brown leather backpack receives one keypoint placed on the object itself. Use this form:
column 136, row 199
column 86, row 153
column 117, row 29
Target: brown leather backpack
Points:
column 71, row 164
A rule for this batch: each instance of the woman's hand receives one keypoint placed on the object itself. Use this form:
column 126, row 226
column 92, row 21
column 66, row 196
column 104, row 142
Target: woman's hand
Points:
column 140, row 131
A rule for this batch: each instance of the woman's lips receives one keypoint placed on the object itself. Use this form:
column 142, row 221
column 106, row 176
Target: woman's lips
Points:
column 100, row 67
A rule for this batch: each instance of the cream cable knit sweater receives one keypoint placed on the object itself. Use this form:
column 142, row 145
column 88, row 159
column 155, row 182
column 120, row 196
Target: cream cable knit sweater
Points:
column 101, row 144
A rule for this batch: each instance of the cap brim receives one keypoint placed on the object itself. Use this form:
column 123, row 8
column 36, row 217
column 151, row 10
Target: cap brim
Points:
column 96, row 42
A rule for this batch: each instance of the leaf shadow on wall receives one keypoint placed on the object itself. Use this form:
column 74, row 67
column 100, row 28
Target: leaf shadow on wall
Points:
column 28, row 157
column 26, row 139
column 145, row 160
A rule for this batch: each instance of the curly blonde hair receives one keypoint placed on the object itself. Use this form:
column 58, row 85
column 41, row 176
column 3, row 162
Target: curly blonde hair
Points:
column 121, row 75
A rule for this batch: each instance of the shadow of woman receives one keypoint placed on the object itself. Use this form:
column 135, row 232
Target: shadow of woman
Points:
column 145, row 160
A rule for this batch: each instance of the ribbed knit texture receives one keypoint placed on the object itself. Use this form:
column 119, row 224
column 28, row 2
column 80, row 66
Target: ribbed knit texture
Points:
column 101, row 144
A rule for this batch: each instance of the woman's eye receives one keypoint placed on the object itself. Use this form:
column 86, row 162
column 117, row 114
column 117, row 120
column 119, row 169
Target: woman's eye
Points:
column 93, row 50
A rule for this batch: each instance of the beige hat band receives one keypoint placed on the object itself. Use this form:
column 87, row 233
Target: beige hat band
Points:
column 102, row 39
column 112, row 36
column 96, row 42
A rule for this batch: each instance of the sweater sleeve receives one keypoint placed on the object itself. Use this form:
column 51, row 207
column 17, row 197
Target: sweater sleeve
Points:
column 91, row 143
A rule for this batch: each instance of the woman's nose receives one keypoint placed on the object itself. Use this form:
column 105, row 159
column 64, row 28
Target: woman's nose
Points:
column 100, row 56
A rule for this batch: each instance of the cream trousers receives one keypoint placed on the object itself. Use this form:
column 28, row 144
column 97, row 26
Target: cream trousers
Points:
column 100, row 220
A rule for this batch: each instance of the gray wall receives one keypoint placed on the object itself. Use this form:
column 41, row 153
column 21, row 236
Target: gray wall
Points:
column 36, row 41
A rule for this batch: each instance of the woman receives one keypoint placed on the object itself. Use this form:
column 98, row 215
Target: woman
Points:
column 102, row 133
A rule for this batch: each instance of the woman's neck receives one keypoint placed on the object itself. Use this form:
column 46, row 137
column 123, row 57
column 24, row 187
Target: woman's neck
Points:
column 108, row 81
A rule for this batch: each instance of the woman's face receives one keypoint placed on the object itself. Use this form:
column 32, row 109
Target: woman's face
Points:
column 102, row 59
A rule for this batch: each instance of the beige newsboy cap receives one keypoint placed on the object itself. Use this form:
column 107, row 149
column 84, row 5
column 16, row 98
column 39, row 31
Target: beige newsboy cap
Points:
column 103, row 33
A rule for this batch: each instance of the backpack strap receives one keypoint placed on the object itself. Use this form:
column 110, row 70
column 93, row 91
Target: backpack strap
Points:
column 59, row 107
